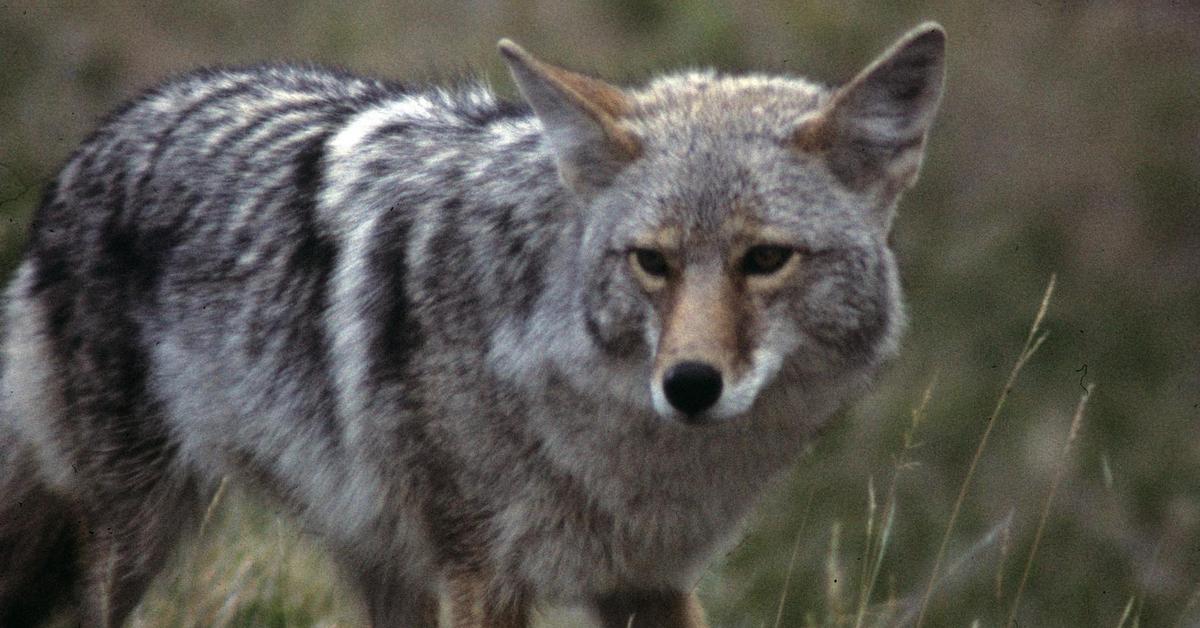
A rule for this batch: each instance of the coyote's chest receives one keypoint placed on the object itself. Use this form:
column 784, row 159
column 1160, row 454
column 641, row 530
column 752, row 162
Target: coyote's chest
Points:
column 645, row 507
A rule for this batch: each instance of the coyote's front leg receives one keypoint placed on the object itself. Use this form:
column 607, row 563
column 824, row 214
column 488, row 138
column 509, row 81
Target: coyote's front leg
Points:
column 650, row 609
column 476, row 604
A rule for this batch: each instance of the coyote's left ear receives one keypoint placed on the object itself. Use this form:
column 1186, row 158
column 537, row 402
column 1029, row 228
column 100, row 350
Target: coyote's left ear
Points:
column 873, row 129
column 581, row 117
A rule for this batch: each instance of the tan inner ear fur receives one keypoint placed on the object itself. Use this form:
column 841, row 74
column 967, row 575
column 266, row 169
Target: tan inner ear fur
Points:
column 814, row 135
column 601, row 95
column 605, row 103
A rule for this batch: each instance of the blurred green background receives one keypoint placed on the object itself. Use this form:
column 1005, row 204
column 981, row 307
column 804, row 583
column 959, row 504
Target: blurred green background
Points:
column 1069, row 143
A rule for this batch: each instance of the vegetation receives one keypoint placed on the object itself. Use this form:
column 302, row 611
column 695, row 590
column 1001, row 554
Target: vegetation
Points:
column 1067, row 145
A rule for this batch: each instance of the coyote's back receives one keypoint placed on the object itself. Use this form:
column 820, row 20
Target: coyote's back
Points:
column 512, row 352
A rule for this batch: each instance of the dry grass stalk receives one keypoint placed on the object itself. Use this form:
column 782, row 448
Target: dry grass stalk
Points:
column 1032, row 342
column 1072, row 434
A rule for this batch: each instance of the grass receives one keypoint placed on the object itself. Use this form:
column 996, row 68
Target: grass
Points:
column 1076, row 423
column 1032, row 342
column 249, row 567
column 1066, row 142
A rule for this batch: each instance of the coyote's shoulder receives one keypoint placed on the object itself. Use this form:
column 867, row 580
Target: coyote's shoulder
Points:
column 548, row 349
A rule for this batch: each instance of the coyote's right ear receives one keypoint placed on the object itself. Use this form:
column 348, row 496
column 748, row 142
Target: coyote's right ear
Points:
column 873, row 129
column 581, row 117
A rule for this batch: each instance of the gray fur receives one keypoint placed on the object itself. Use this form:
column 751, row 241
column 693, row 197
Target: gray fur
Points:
column 408, row 315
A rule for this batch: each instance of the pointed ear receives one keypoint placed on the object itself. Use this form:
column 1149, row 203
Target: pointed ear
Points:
column 581, row 117
column 873, row 129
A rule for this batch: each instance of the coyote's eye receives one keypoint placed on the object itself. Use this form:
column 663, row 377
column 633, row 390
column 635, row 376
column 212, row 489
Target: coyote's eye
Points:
column 765, row 259
column 651, row 262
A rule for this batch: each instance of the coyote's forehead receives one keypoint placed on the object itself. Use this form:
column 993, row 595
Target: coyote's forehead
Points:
column 734, row 106
column 723, row 195
column 717, row 161
column 716, row 150
column 697, row 235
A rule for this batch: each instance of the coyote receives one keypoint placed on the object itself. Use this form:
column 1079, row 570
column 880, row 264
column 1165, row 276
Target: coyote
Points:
column 497, row 353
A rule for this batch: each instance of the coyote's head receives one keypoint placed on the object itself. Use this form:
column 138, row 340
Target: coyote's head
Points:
column 736, row 227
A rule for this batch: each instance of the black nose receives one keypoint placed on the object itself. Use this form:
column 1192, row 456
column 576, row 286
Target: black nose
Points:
column 692, row 387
